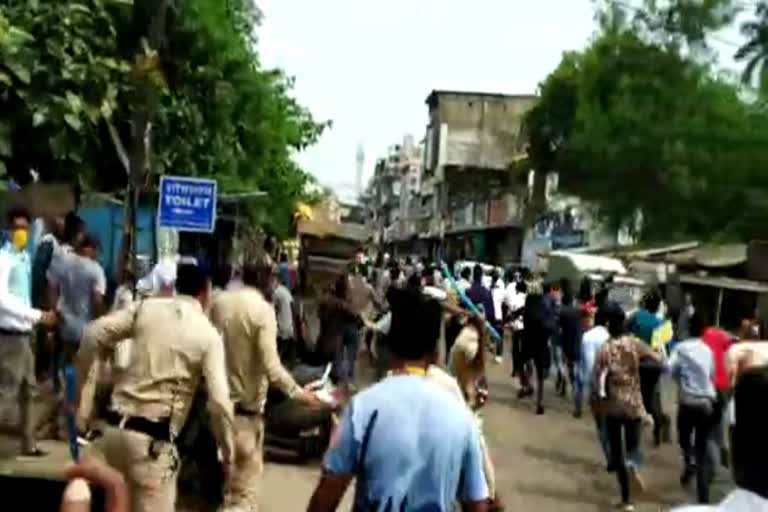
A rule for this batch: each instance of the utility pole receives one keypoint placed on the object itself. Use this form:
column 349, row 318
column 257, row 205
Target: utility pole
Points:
column 147, row 60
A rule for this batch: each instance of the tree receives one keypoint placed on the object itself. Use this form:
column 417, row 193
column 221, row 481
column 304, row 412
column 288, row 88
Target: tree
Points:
column 755, row 50
column 670, row 140
column 81, row 99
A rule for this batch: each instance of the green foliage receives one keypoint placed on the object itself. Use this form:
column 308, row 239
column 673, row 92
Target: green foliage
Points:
column 632, row 125
column 71, row 76
column 755, row 50
column 59, row 75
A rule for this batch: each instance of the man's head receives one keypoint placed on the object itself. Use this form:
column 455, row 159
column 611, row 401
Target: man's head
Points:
column 750, row 451
column 55, row 226
column 88, row 246
column 477, row 274
column 615, row 319
column 260, row 274
column 18, row 222
column 192, row 281
column 652, row 301
column 466, row 273
column 74, row 229
column 415, row 325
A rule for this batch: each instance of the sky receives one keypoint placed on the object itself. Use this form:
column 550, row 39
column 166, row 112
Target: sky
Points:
column 368, row 65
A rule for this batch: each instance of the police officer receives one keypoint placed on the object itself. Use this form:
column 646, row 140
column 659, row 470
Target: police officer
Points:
column 248, row 323
column 175, row 348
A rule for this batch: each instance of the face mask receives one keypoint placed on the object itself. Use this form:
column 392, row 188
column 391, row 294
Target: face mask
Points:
column 19, row 238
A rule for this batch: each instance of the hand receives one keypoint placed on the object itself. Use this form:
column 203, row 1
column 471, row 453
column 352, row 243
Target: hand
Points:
column 309, row 398
column 48, row 318
column 77, row 496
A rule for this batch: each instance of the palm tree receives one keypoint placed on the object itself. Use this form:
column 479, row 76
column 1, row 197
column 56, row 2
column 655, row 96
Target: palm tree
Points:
column 755, row 50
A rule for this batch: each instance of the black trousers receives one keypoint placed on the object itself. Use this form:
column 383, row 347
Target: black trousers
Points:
column 623, row 439
column 649, row 388
column 517, row 351
column 694, row 427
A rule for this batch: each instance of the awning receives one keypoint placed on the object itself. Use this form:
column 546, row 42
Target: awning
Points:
column 727, row 283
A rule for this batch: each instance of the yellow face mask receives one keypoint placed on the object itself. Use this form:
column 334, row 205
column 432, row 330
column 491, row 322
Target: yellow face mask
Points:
column 19, row 238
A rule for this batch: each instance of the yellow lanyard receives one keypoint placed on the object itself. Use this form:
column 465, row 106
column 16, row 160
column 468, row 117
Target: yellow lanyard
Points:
column 415, row 370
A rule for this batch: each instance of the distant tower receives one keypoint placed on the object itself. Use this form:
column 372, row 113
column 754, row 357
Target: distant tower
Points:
column 360, row 164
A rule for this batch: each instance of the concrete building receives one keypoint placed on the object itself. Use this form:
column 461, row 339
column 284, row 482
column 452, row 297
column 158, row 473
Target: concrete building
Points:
column 471, row 182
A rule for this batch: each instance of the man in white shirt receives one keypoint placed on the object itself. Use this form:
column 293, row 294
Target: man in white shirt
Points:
column 499, row 295
column 464, row 280
column 750, row 451
column 591, row 342
column 515, row 297
column 18, row 320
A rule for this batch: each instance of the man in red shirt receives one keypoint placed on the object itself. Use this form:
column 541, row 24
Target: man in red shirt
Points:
column 719, row 342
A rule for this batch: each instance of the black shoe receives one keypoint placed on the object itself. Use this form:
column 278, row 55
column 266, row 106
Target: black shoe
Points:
column 540, row 410
column 525, row 393
column 577, row 414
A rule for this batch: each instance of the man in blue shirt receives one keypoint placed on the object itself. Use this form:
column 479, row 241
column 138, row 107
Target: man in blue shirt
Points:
column 692, row 365
column 481, row 296
column 17, row 322
column 409, row 443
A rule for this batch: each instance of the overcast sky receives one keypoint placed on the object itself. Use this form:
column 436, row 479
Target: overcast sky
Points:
column 368, row 65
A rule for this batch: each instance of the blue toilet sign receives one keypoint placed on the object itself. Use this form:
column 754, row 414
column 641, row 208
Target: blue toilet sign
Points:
column 187, row 204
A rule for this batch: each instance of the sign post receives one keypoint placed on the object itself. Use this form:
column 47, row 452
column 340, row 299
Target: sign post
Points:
column 187, row 204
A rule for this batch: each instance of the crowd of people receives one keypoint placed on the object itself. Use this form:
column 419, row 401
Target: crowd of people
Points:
column 411, row 441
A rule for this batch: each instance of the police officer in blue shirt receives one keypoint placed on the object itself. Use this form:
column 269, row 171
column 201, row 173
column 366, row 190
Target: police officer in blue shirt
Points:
column 409, row 444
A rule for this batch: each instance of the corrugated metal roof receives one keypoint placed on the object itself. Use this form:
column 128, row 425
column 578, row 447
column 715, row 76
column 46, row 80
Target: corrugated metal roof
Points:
column 728, row 283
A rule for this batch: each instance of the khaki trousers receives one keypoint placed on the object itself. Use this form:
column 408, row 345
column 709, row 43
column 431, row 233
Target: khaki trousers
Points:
column 17, row 377
column 150, row 471
column 242, row 490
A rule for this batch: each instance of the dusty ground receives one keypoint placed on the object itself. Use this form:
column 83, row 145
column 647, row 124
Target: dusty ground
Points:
column 544, row 463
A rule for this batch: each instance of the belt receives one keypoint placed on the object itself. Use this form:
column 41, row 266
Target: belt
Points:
column 14, row 332
column 241, row 410
column 159, row 430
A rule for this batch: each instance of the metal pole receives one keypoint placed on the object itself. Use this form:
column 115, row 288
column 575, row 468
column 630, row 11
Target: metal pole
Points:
column 719, row 306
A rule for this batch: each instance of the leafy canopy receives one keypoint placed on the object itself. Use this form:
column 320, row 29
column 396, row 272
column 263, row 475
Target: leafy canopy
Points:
column 70, row 73
column 634, row 124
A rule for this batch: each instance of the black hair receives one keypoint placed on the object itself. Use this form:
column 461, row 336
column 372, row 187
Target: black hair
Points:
column 600, row 317
column 466, row 273
column 585, row 290
column 257, row 275
column 415, row 324
column 414, row 281
column 615, row 318
column 18, row 212
column 283, row 257
column 696, row 325
column 546, row 287
column 191, row 280
column 567, row 291
column 88, row 241
column 394, row 272
column 222, row 275
column 652, row 301
column 477, row 273
column 749, row 450
column 74, row 226
column 521, row 287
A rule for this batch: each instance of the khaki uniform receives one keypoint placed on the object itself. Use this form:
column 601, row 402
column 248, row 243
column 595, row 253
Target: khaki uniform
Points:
column 461, row 360
column 249, row 326
column 174, row 348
